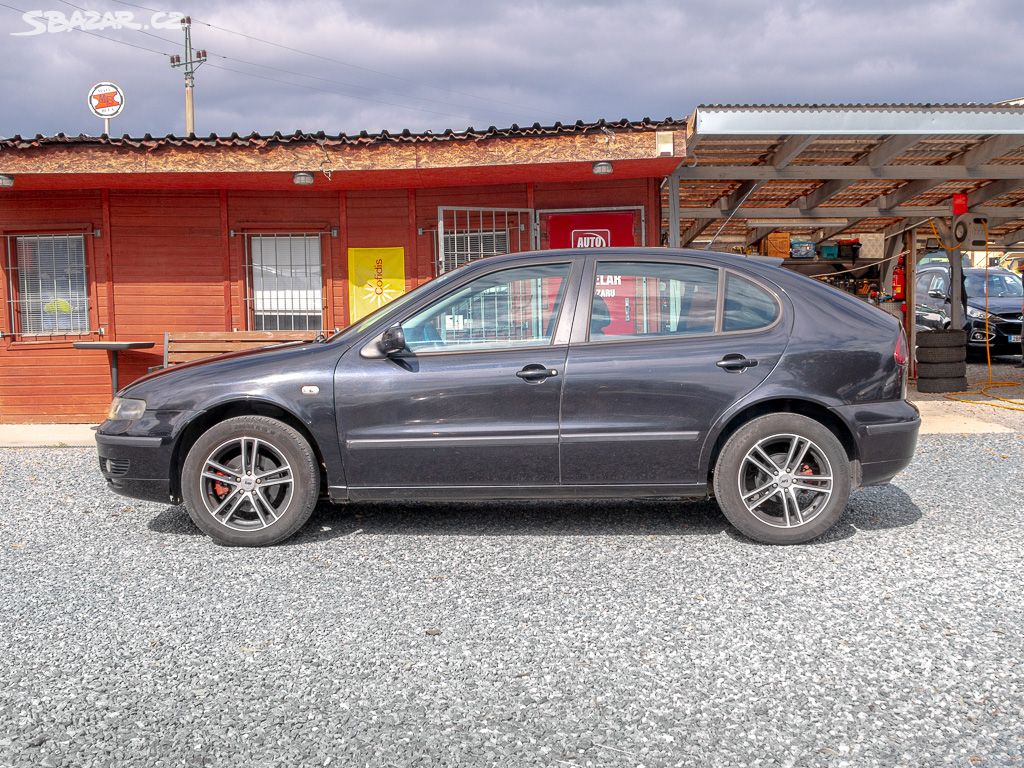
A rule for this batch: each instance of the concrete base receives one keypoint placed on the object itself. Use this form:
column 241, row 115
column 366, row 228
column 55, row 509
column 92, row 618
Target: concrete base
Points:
column 946, row 417
column 48, row 435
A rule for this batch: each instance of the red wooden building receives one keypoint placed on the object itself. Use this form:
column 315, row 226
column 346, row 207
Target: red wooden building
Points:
column 128, row 239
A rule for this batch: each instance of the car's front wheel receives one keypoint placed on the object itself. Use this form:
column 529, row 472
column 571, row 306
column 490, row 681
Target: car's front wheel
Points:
column 250, row 481
column 782, row 479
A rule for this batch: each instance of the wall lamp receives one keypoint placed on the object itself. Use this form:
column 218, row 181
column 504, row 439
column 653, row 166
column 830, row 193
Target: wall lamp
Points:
column 602, row 168
column 302, row 178
column 6, row 181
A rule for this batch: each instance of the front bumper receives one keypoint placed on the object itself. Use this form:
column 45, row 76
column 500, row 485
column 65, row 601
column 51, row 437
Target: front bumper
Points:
column 886, row 436
column 998, row 335
column 136, row 458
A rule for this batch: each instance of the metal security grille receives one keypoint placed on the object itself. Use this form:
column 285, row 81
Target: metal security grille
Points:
column 468, row 234
column 284, row 282
column 47, row 287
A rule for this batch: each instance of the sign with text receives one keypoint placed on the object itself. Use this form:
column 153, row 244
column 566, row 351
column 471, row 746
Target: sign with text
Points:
column 617, row 294
column 376, row 276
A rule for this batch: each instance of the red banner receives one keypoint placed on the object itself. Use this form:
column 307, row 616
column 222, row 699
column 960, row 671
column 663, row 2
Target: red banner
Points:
column 601, row 230
column 596, row 229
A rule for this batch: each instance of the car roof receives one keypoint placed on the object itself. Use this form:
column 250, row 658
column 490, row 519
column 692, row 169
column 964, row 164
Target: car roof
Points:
column 967, row 270
column 726, row 259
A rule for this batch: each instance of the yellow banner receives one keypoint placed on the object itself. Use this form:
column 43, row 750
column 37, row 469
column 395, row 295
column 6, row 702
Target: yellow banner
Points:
column 376, row 276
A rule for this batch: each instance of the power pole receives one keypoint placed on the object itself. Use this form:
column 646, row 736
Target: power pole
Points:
column 192, row 61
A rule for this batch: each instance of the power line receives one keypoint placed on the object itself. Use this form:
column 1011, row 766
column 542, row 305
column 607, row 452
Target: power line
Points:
column 248, row 74
column 341, row 83
column 346, row 63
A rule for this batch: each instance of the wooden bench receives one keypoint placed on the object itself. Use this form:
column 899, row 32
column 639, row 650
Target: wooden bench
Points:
column 196, row 345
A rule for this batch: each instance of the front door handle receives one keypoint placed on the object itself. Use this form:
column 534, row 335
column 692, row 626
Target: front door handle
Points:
column 736, row 363
column 536, row 373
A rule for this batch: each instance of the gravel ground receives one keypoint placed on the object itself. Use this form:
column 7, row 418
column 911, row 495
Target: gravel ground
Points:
column 603, row 634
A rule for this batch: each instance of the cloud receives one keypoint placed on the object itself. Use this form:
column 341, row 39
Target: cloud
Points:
column 395, row 64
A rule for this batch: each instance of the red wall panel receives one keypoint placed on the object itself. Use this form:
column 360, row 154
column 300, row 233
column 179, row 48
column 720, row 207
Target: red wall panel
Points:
column 173, row 265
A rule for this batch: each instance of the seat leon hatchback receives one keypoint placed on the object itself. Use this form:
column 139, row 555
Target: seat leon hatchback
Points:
column 606, row 373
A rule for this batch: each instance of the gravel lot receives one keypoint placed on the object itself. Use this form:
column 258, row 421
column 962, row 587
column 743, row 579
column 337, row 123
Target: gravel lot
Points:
column 618, row 634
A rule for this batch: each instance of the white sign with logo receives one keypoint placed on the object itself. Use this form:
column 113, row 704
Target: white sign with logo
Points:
column 106, row 100
column 591, row 238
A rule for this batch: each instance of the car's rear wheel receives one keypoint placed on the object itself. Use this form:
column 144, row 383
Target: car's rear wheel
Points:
column 250, row 481
column 782, row 479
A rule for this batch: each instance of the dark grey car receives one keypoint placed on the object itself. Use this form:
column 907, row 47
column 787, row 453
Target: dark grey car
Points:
column 562, row 374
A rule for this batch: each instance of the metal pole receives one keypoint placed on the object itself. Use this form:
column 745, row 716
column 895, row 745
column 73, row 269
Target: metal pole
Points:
column 106, row 125
column 190, row 114
column 191, row 62
column 673, row 210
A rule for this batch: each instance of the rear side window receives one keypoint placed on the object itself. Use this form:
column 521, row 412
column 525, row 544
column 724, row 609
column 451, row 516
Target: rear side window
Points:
column 652, row 299
column 748, row 306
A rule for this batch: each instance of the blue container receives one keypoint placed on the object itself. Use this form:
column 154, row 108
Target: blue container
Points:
column 829, row 251
column 801, row 249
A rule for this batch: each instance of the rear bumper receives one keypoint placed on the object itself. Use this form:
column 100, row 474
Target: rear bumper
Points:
column 886, row 437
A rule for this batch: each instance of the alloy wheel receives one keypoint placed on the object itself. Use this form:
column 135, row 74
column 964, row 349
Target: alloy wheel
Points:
column 785, row 480
column 246, row 484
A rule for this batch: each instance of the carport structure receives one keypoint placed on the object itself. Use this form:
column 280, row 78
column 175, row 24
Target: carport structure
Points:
column 827, row 169
column 818, row 171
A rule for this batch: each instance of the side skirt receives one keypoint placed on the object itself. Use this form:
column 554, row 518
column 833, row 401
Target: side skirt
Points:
column 550, row 492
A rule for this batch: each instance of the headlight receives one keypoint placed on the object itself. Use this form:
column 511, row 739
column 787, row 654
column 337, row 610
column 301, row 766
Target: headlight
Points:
column 126, row 409
column 979, row 314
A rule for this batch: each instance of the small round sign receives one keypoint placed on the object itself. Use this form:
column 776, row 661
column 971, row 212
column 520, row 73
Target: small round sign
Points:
column 106, row 100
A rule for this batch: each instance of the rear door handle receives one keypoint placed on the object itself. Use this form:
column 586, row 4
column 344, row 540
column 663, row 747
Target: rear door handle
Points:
column 736, row 363
column 535, row 372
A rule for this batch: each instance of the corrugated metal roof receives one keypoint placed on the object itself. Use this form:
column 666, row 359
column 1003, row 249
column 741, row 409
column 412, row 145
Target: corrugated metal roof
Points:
column 362, row 138
column 1011, row 106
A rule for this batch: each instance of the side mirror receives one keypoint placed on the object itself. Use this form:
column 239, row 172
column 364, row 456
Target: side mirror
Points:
column 392, row 341
column 936, row 294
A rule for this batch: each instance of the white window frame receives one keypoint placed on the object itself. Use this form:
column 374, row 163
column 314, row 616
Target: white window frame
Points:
column 18, row 283
column 263, row 302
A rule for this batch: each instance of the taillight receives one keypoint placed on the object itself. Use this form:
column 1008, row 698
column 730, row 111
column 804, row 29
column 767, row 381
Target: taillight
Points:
column 902, row 352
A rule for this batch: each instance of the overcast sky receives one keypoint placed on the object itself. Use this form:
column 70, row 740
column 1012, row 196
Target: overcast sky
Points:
column 398, row 64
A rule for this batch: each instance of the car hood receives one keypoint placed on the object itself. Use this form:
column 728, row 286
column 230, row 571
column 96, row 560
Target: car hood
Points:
column 247, row 374
column 997, row 305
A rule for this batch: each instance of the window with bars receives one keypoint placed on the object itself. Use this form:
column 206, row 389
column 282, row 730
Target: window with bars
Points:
column 47, row 287
column 464, row 247
column 285, row 282
column 467, row 234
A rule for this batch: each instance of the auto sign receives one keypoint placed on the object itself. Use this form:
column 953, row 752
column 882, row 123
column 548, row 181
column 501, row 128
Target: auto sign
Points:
column 106, row 100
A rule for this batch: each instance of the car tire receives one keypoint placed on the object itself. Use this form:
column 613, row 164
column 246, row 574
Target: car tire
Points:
column 771, row 521
column 941, row 370
column 929, row 355
column 936, row 386
column 272, row 494
column 947, row 338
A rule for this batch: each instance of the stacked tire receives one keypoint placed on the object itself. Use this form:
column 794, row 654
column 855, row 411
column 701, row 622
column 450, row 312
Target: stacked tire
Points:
column 942, row 361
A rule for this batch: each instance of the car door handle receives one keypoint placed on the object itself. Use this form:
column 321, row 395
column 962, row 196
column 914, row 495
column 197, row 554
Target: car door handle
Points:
column 736, row 363
column 536, row 372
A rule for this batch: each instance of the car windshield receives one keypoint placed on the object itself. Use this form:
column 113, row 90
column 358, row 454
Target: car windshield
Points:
column 999, row 286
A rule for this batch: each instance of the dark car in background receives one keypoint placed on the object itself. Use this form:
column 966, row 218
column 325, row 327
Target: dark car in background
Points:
column 1000, row 326
column 614, row 373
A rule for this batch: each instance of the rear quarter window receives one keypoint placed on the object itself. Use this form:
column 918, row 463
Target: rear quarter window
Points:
column 748, row 306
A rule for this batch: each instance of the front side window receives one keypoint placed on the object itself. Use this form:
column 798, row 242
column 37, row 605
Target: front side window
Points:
column 506, row 309
column 48, row 286
column 647, row 300
column 938, row 285
column 286, row 291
